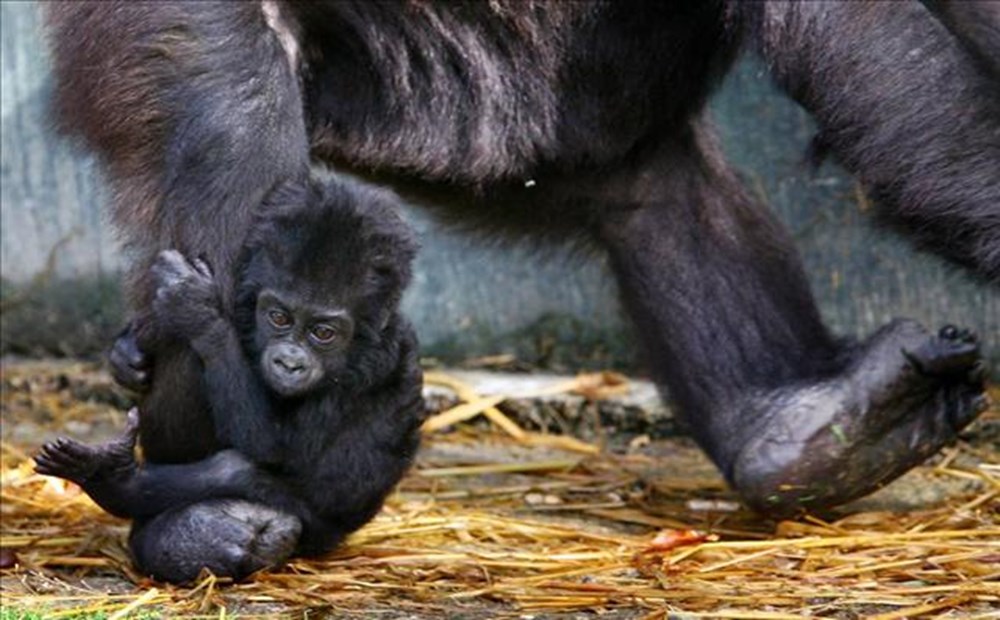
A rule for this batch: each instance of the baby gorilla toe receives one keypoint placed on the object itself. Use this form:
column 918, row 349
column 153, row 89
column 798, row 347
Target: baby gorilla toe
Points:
column 69, row 459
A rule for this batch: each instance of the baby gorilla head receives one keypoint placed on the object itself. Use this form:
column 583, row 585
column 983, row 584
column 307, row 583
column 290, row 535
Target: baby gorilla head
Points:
column 321, row 275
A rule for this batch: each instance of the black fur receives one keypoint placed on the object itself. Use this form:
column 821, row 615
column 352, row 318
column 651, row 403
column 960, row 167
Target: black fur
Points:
column 307, row 469
column 906, row 107
column 976, row 24
column 583, row 122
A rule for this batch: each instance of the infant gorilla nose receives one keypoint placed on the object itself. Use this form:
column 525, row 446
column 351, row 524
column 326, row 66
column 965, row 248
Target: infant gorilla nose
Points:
column 290, row 365
column 290, row 370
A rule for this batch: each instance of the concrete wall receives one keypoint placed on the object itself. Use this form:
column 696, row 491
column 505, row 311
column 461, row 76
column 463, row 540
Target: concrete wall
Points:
column 60, row 262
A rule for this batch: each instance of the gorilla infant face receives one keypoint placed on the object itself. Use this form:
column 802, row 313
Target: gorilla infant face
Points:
column 322, row 276
column 299, row 342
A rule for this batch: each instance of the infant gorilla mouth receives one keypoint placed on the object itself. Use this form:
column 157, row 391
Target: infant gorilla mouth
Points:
column 312, row 385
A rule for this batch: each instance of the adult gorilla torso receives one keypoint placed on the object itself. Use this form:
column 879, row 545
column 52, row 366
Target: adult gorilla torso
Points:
column 480, row 92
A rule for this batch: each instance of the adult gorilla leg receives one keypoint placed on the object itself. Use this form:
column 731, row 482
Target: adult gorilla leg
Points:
column 794, row 418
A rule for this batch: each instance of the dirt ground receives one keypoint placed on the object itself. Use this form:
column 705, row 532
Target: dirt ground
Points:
column 526, row 522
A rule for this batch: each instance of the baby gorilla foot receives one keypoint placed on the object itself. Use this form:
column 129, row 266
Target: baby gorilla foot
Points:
column 906, row 394
column 69, row 459
column 231, row 538
column 102, row 470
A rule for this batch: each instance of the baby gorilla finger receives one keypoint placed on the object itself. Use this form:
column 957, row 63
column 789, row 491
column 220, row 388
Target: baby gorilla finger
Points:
column 203, row 268
column 130, row 367
column 171, row 268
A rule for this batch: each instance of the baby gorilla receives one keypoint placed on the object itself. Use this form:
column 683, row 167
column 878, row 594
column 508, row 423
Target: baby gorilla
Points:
column 316, row 361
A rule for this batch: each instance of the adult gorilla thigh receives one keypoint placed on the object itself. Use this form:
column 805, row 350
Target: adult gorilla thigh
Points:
column 977, row 26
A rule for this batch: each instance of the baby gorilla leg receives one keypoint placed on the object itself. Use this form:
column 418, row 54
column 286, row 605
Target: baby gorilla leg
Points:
column 104, row 471
column 231, row 538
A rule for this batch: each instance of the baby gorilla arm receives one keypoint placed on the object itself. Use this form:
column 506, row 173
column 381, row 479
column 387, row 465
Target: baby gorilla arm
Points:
column 187, row 307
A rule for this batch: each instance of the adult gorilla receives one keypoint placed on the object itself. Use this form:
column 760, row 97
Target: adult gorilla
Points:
column 582, row 121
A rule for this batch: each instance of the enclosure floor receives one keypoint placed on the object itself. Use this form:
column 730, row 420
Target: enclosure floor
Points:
column 498, row 520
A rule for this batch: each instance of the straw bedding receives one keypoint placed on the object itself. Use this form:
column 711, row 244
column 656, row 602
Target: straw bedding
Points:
column 498, row 521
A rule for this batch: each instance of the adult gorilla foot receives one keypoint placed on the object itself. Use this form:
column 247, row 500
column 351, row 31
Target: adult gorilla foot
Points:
column 905, row 394
column 231, row 538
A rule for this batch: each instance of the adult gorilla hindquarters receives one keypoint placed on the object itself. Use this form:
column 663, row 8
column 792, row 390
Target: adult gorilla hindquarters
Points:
column 599, row 105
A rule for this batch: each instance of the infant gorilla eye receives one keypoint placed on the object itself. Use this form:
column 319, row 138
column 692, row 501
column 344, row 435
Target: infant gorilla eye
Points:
column 323, row 333
column 279, row 318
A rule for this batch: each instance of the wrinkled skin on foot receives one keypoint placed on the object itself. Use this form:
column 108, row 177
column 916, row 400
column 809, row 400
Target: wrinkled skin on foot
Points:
column 906, row 394
column 103, row 471
column 230, row 537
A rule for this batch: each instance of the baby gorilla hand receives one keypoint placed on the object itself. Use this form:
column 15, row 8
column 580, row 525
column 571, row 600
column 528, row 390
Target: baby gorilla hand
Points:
column 187, row 299
column 130, row 366
column 103, row 471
